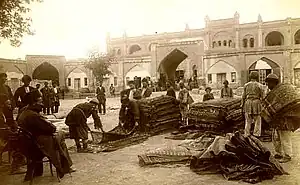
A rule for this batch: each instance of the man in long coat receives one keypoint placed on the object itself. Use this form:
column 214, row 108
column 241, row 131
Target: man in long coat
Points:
column 77, row 122
column 100, row 93
column 55, row 95
column 129, row 115
column 146, row 90
column 21, row 92
column 47, row 101
column 251, row 104
column 49, row 142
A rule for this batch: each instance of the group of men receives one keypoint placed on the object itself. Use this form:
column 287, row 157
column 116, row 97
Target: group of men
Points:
column 50, row 95
column 252, row 98
column 253, row 95
column 36, row 137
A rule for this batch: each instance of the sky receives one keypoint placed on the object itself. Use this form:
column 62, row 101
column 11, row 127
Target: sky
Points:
column 74, row 27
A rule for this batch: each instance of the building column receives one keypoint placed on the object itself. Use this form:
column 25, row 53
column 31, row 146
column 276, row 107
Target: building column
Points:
column 260, row 37
column 188, row 68
column 237, row 38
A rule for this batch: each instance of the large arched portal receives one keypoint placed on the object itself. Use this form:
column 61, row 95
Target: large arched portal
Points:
column 46, row 71
column 265, row 66
column 167, row 67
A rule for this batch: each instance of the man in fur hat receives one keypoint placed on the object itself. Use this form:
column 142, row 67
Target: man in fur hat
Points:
column 49, row 142
column 282, row 143
column 77, row 122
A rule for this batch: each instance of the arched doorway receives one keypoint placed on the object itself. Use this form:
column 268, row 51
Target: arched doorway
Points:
column 46, row 71
column 167, row 67
column 77, row 79
column 219, row 72
column 137, row 73
column 265, row 66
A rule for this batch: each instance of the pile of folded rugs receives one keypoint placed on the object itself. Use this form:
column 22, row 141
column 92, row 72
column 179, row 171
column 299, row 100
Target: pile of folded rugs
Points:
column 216, row 114
column 160, row 113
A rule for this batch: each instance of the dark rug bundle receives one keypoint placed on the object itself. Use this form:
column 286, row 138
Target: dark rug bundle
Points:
column 237, row 158
column 216, row 115
column 282, row 102
column 160, row 113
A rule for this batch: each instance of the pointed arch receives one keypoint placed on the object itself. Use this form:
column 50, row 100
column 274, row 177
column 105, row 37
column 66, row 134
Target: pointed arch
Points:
column 220, row 66
column 46, row 71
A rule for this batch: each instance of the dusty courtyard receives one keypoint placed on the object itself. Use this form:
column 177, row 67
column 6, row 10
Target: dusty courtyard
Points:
column 121, row 167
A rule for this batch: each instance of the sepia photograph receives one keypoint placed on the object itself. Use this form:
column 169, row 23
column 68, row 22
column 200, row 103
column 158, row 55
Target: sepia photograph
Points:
column 149, row 92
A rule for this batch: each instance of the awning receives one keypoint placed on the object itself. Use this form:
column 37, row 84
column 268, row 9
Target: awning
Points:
column 260, row 64
column 141, row 74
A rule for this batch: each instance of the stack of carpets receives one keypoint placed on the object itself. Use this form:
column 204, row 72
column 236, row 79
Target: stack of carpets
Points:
column 160, row 113
column 216, row 115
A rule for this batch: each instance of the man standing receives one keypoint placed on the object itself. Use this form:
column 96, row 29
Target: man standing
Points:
column 251, row 104
column 100, row 92
column 146, row 91
column 46, row 91
column 76, row 120
column 129, row 115
column 132, row 92
column 21, row 92
column 283, row 147
column 112, row 90
column 5, row 89
column 170, row 90
column 184, row 101
column 56, row 102
column 226, row 92
column 51, row 143
column 208, row 95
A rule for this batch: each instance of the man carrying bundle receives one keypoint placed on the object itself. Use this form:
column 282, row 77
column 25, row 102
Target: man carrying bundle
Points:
column 283, row 146
column 251, row 104
column 76, row 120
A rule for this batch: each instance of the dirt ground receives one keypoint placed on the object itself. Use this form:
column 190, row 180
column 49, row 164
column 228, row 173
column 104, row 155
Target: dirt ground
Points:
column 121, row 166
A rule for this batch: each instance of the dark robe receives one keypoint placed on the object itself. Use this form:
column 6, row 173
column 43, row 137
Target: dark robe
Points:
column 47, row 96
column 77, row 118
column 129, row 114
column 8, row 113
column 147, row 92
column 49, row 143
column 21, row 93
column 209, row 96
column 171, row 92
column 101, row 94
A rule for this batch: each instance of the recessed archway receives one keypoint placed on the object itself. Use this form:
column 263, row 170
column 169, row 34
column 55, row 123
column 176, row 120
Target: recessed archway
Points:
column 169, row 64
column 274, row 38
column 265, row 66
column 46, row 71
column 219, row 72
